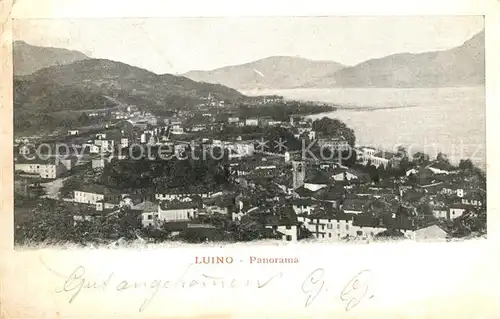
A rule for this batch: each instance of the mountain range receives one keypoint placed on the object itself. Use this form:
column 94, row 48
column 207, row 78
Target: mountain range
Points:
column 50, row 80
column 277, row 72
column 86, row 83
column 460, row 66
column 29, row 58
column 91, row 83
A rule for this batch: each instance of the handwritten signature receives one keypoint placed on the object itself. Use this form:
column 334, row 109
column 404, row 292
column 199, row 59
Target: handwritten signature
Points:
column 313, row 285
column 356, row 289
column 352, row 294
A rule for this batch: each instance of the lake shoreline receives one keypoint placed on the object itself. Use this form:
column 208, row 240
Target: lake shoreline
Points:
column 447, row 120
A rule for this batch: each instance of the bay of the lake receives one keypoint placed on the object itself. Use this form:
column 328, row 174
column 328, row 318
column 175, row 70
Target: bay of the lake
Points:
column 448, row 120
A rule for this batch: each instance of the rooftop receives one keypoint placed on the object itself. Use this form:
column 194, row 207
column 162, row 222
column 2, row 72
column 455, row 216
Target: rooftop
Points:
column 365, row 220
column 146, row 206
column 97, row 189
column 174, row 205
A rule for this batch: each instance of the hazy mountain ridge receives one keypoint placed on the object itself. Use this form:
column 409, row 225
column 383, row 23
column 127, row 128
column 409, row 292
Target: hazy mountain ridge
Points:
column 95, row 83
column 29, row 58
column 276, row 72
column 118, row 80
column 460, row 66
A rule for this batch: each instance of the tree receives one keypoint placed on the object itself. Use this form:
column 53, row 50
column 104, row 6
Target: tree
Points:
column 442, row 158
column 49, row 224
column 466, row 165
column 425, row 209
column 349, row 158
column 84, row 119
column 334, row 128
column 69, row 186
column 421, row 159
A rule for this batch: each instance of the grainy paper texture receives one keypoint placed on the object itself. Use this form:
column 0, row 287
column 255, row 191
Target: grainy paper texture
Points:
column 337, row 272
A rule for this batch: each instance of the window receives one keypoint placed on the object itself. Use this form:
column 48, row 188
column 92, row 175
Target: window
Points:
column 371, row 233
column 323, row 227
column 288, row 227
column 329, row 226
column 330, row 235
column 359, row 233
column 322, row 235
column 347, row 227
column 338, row 226
column 150, row 217
column 288, row 237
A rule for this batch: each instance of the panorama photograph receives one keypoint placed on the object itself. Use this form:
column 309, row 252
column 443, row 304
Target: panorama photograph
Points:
column 180, row 131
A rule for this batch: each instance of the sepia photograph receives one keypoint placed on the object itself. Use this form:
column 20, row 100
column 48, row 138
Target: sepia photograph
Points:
column 269, row 159
column 159, row 132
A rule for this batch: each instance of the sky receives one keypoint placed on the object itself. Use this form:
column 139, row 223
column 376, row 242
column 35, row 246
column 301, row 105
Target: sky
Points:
column 178, row 45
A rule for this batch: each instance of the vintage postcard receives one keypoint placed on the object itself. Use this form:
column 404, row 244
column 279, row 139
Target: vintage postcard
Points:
column 219, row 162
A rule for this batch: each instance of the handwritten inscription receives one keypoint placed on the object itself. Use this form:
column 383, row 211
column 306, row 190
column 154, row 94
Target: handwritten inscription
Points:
column 78, row 280
column 356, row 289
column 313, row 284
column 352, row 293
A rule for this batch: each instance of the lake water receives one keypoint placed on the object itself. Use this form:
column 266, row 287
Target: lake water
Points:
column 448, row 120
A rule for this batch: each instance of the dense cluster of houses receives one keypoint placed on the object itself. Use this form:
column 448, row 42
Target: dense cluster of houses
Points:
column 280, row 193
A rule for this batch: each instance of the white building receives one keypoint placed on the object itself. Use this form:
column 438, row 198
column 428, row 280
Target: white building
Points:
column 100, row 162
column 233, row 119
column 183, row 197
column 240, row 149
column 124, row 142
column 302, row 206
column 73, row 132
column 24, row 150
column 289, row 232
column 343, row 175
column 368, row 155
column 330, row 226
column 106, row 145
column 87, row 197
column 93, row 149
column 441, row 213
column 251, row 122
column 176, row 129
column 336, row 143
column 311, row 135
column 47, row 169
column 433, row 232
column 457, row 210
column 473, row 199
column 176, row 211
column 100, row 136
column 324, row 226
column 453, row 189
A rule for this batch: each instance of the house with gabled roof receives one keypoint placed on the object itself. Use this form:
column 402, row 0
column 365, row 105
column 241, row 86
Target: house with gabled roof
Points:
column 431, row 232
column 177, row 210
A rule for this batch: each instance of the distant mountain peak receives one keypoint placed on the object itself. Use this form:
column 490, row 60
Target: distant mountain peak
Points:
column 279, row 72
column 31, row 58
column 459, row 66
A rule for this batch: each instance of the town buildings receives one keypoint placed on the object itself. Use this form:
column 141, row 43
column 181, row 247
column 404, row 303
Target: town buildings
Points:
column 280, row 195
column 47, row 169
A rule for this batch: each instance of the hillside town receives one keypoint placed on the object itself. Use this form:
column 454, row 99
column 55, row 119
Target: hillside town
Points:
column 212, row 174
